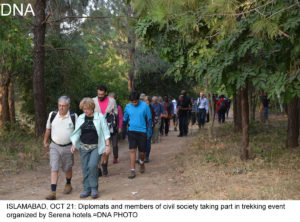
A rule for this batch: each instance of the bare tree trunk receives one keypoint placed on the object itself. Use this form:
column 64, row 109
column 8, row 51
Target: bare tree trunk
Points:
column 131, row 74
column 38, row 74
column 131, row 39
column 237, row 109
column 293, row 124
column 245, row 123
column 11, row 103
column 4, row 107
column 253, row 110
column 261, row 108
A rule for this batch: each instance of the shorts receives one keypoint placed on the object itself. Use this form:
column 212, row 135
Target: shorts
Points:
column 137, row 140
column 61, row 157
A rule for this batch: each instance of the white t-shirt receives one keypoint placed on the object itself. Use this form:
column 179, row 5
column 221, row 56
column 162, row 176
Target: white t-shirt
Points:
column 61, row 128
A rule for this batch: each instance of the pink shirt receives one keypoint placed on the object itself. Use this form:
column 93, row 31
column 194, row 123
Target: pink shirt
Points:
column 120, row 117
column 103, row 104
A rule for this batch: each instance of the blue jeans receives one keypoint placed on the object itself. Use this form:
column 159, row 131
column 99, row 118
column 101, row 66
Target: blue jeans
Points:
column 148, row 147
column 266, row 112
column 89, row 166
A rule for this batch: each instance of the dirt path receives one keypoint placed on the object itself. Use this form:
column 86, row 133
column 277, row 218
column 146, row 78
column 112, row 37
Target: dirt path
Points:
column 162, row 179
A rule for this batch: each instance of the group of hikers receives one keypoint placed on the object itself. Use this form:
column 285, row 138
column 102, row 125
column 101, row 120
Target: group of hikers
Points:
column 93, row 133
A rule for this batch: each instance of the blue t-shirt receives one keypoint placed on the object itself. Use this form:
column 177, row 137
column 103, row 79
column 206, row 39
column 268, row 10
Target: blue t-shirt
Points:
column 139, row 116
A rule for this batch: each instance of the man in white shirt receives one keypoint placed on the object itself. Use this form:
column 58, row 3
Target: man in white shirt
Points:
column 60, row 125
column 202, row 110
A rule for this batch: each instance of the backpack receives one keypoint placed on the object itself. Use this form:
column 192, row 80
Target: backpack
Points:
column 72, row 115
column 223, row 105
column 112, row 122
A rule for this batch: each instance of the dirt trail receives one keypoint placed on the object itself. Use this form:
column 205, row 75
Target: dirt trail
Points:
column 162, row 179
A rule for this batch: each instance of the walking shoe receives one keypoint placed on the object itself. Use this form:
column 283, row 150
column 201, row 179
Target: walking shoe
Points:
column 115, row 160
column 85, row 194
column 137, row 161
column 94, row 193
column 104, row 168
column 142, row 168
column 51, row 196
column 68, row 188
column 99, row 172
column 131, row 175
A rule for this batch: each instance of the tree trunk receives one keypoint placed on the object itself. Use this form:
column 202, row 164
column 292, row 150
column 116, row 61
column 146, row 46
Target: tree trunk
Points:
column 261, row 108
column 4, row 107
column 237, row 109
column 131, row 40
column 38, row 73
column 254, row 104
column 11, row 103
column 245, row 124
column 293, row 124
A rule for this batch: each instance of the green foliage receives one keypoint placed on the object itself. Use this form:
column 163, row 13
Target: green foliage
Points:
column 227, row 43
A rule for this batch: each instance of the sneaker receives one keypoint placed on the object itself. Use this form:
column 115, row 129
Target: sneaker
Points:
column 104, row 168
column 51, row 196
column 146, row 160
column 94, row 193
column 142, row 168
column 131, row 175
column 137, row 161
column 67, row 189
column 115, row 160
column 99, row 172
column 85, row 194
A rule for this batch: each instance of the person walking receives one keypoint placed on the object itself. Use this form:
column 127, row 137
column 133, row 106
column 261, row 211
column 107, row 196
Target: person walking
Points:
column 159, row 110
column 175, row 116
column 120, row 124
column 60, row 125
column 221, row 108
column 193, row 111
column 107, row 106
column 140, row 130
column 91, row 138
column 168, row 109
column 202, row 110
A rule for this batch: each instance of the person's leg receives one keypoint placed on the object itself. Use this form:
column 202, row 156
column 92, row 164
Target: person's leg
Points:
column 85, row 158
column 67, row 159
column 223, row 116
column 54, row 164
column 185, row 125
column 199, row 118
column 105, row 161
column 266, row 112
column 167, row 123
column 93, row 172
column 148, row 149
column 162, row 126
column 115, row 147
column 181, row 125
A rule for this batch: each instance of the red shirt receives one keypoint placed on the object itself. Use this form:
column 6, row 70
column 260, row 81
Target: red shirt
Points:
column 103, row 104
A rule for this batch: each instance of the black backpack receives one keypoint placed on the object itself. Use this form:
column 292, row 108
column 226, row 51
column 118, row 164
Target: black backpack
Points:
column 54, row 113
column 112, row 122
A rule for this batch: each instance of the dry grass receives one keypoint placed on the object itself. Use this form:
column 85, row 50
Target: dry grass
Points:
column 19, row 150
column 213, row 169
